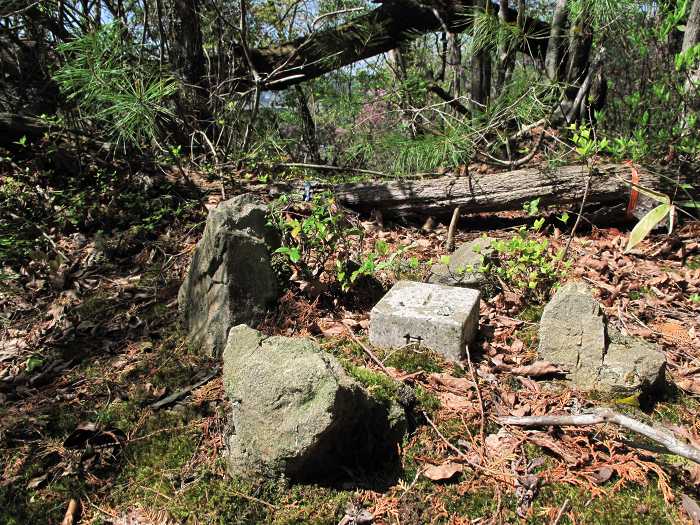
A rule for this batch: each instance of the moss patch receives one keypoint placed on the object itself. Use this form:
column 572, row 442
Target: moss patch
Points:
column 413, row 360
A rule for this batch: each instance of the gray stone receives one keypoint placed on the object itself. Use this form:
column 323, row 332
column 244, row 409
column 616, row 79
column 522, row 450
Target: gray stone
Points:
column 464, row 266
column 297, row 413
column 442, row 318
column 631, row 365
column 572, row 333
column 573, row 336
column 230, row 280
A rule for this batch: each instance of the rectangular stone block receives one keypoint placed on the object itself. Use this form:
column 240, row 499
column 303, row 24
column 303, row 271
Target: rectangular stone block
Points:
column 442, row 318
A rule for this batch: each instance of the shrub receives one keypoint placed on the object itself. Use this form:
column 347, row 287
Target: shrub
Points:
column 112, row 87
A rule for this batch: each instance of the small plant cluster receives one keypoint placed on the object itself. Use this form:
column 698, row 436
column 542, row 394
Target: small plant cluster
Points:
column 38, row 202
column 525, row 262
column 323, row 246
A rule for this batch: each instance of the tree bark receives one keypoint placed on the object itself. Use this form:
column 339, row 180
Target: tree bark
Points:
column 188, row 59
column 690, row 39
column 376, row 32
column 477, row 193
column 481, row 73
column 397, row 63
column 692, row 27
column 454, row 64
column 308, row 125
column 505, row 54
column 553, row 58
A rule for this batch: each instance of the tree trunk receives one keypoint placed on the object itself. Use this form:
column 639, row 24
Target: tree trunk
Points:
column 691, row 36
column 308, row 126
column 397, row 63
column 188, row 59
column 553, row 59
column 481, row 71
column 376, row 32
column 505, row 55
column 454, row 64
column 481, row 80
column 477, row 193
column 690, row 39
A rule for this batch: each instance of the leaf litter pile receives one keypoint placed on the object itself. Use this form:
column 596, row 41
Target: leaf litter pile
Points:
column 109, row 417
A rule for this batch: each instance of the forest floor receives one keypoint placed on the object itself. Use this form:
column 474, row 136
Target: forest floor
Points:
column 90, row 343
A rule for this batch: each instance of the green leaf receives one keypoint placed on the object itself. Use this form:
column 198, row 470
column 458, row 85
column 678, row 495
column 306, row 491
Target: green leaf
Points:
column 659, row 197
column 646, row 224
column 33, row 363
column 382, row 247
column 294, row 255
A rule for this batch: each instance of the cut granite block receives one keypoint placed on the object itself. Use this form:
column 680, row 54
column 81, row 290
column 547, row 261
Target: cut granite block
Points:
column 442, row 318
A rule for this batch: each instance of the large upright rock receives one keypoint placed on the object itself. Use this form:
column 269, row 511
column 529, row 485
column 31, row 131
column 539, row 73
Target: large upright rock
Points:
column 574, row 335
column 230, row 280
column 296, row 412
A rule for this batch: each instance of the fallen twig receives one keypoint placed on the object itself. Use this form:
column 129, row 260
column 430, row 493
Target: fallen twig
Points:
column 369, row 352
column 580, row 214
column 172, row 398
column 451, row 230
column 72, row 513
column 666, row 439
column 495, row 475
column 561, row 512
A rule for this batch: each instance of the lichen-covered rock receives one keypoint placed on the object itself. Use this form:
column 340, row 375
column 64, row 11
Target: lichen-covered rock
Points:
column 463, row 268
column 630, row 365
column 230, row 279
column 296, row 412
column 573, row 335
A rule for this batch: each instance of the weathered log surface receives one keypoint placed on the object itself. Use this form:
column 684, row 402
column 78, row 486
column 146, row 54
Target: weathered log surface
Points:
column 14, row 126
column 492, row 192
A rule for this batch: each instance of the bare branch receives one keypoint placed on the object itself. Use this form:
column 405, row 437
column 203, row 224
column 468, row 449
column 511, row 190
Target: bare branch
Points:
column 666, row 439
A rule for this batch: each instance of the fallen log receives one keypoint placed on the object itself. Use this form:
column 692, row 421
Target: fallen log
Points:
column 14, row 126
column 493, row 192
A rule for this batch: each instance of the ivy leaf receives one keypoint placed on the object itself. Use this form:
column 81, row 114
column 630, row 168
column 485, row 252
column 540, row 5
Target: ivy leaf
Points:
column 646, row 224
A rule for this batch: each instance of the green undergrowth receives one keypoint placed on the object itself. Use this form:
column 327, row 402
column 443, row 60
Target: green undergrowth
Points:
column 676, row 407
column 378, row 384
column 163, row 471
column 693, row 263
column 633, row 505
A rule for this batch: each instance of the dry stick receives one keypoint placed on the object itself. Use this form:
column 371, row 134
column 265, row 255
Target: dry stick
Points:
column 561, row 512
column 253, row 498
column 369, row 352
column 580, row 213
column 216, row 162
column 461, row 454
column 666, row 439
column 520, row 162
column 585, row 85
column 441, row 436
column 482, row 421
column 72, row 513
column 451, row 230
